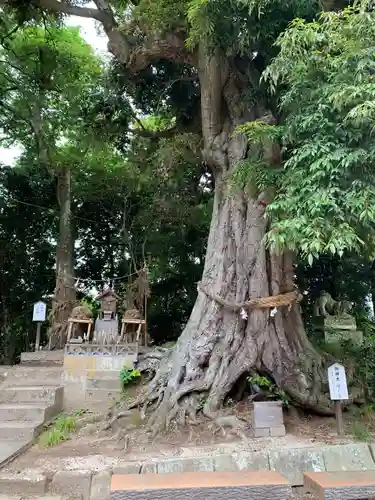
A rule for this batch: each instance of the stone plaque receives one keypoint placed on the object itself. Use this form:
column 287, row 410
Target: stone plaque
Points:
column 267, row 414
column 334, row 336
column 342, row 322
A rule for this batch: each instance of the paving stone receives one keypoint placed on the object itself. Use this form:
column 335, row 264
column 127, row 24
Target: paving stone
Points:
column 198, row 464
column 225, row 463
column 100, row 486
column 128, row 468
column 293, row 463
column 252, row 461
column 278, row 431
column 267, row 414
column 355, row 457
column 72, row 483
column 28, row 482
column 261, row 432
column 149, row 468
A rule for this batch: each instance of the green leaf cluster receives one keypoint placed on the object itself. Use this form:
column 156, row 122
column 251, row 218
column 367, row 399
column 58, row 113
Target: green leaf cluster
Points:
column 326, row 71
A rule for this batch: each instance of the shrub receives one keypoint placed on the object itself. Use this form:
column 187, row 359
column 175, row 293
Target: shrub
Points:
column 128, row 375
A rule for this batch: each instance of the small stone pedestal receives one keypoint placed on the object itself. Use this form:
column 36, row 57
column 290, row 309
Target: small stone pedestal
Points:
column 342, row 327
column 267, row 419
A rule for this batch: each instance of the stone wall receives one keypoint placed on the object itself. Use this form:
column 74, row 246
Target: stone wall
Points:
column 93, row 483
column 92, row 381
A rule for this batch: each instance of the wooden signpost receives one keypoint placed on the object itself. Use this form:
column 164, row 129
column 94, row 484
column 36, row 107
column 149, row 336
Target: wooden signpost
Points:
column 39, row 315
column 338, row 390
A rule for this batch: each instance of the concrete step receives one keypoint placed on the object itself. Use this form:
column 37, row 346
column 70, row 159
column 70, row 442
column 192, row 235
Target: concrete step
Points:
column 42, row 358
column 260, row 485
column 26, row 483
column 25, row 375
column 11, row 449
column 33, row 394
column 47, row 497
column 12, row 431
column 13, row 412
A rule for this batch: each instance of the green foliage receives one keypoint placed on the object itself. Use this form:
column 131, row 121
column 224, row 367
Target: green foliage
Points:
column 91, row 304
column 255, row 172
column 129, row 375
column 60, row 431
column 52, row 438
column 270, row 388
column 326, row 199
column 360, row 432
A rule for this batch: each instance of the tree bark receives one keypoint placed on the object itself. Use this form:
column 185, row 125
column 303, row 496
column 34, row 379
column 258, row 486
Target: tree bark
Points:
column 65, row 294
column 219, row 345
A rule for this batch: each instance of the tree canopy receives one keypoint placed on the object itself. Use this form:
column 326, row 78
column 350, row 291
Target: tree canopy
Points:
column 325, row 69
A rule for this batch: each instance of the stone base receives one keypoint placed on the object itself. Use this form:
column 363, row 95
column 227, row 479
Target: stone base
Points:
column 332, row 336
column 277, row 431
column 43, row 358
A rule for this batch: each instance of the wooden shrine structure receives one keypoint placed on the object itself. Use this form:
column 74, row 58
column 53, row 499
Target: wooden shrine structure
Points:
column 103, row 335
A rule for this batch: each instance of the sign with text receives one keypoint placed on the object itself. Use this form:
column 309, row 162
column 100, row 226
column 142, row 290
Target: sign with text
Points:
column 338, row 388
column 39, row 312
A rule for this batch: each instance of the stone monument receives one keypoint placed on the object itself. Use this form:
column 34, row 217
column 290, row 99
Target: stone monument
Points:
column 267, row 419
column 339, row 324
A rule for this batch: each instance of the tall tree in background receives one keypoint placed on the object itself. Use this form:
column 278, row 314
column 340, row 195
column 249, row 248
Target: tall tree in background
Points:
column 45, row 75
column 27, row 230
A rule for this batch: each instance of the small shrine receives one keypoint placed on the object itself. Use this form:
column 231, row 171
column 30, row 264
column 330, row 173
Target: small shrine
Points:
column 108, row 305
column 104, row 335
column 106, row 324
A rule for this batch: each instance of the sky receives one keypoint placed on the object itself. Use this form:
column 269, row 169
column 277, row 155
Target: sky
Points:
column 98, row 41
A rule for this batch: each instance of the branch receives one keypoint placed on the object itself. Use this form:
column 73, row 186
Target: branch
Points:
column 172, row 48
column 63, row 8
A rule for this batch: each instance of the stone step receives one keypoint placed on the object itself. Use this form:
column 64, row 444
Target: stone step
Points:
column 42, row 358
column 25, row 375
column 12, row 431
column 262, row 485
column 26, row 483
column 12, row 412
column 11, row 449
column 32, row 393
column 18, row 497
column 348, row 485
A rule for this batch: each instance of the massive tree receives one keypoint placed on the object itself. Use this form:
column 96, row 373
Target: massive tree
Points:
column 236, row 326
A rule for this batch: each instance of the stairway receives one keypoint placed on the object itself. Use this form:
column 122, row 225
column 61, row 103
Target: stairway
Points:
column 29, row 397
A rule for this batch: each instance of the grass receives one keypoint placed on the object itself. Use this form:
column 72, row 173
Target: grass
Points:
column 360, row 432
column 59, row 431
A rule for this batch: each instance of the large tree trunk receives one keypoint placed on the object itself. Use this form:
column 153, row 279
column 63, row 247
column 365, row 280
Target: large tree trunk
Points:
column 65, row 294
column 219, row 345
